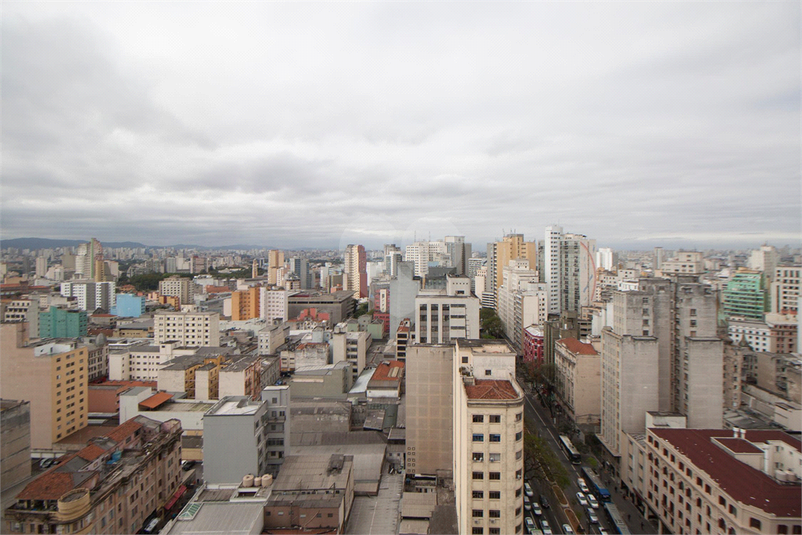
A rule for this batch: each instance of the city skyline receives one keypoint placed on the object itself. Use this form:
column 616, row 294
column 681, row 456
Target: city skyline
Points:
column 640, row 125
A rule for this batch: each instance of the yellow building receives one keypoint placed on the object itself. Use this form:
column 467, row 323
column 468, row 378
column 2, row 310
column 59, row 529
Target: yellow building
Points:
column 500, row 254
column 52, row 375
column 245, row 304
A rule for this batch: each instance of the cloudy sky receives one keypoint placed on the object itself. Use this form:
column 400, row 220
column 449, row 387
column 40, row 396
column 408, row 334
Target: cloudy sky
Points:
column 322, row 124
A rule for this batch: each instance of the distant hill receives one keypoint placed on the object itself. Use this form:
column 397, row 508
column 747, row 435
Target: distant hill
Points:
column 46, row 243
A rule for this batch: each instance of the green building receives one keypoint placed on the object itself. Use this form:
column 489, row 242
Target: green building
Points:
column 62, row 323
column 746, row 296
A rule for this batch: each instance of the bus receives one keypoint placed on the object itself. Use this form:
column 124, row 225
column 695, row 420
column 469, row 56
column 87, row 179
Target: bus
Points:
column 570, row 450
column 594, row 482
column 615, row 518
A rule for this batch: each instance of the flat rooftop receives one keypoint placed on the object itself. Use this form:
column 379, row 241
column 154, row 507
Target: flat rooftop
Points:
column 236, row 407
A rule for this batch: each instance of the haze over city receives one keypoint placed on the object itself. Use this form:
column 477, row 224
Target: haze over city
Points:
column 319, row 125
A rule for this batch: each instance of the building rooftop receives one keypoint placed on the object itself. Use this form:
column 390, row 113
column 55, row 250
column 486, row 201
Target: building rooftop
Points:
column 744, row 483
column 235, row 406
column 491, row 389
column 313, row 472
column 578, row 348
column 389, row 370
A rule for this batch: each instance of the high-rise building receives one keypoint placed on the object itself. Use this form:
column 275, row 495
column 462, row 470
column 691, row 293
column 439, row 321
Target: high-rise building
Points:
column 765, row 260
column 190, row 329
column 658, row 258
column 488, row 428
column 275, row 260
column 604, row 258
column 181, row 287
column 501, row 253
column 52, row 375
column 522, row 300
column 785, row 290
column 245, row 304
column 41, row 266
column 686, row 262
column 445, row 315
column 745, row 295
column 459, row 253
column 62, row 323
column 85, row 260
column 569, row 266
column 300, row 266
column 129, row 306
column 273, row 305
column 355, row 270
column 91, row 295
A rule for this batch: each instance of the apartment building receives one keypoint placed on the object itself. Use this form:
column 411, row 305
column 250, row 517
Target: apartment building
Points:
column 112, row 485
column 686, row 263
column 15, row 441
column 91, row 295
column 245, row 304
column 785, row 289
column 351, row 347
column 579, row 382
column 52, row 375
column 488, row 453
column 355, row 275
column 724, row 481
column 569, row 269
column 522, row 300
column 19, row 310
column 274, row 304
column 189, row 329
column 445, row 315
column 272, row 337
column 501, row 253
column 745, row 295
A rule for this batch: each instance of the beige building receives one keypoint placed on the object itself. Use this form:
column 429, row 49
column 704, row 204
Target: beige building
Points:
column 52, row 375
column 686, row 262
column 275, row 261
column 522, row 300
column 488, row 453
column 181, row 287
column 111, row 486
column 442, row 316
column 189, row 329
column 501, row 253
column 429, row 406
column 15, row 441
column 274, row 305
column 579, row 381
column 785, row 289
column 350, row 346
column 724, row 481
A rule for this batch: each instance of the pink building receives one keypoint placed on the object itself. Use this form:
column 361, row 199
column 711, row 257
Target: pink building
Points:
column 533, row 344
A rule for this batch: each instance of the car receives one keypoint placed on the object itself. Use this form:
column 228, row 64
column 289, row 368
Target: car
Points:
column 544, row 501
column 592, row 501
column 528, row 490
column 536, row 509
column 45, row 463
column 582, row 485
column 527, row 504
column 544, row 525
column 568, row 530
column 592, row 516
column 581, row 499
column 530, row 525
column 603, row 531
column 188, row 465
column 152, row 525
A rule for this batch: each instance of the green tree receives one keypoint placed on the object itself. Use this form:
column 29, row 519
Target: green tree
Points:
column 491, row 324
column 540, row 460
column 361, row 310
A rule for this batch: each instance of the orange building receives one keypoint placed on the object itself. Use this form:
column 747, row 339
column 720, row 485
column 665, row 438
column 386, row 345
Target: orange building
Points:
column 245, row 304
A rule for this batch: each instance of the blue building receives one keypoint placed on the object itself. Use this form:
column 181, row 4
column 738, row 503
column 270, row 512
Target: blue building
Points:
column 129, row 306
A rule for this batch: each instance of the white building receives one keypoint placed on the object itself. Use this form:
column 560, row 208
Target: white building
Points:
column 272, row 337
column 785, row 290
column 91, row 295
column 181, row 287
column 189, row 329
column 441, row 317
column 522, row 300
column 604, row 258
column 569, row 269
column 274, row 304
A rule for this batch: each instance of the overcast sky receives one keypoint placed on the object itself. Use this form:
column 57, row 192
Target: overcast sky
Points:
column 296, row 124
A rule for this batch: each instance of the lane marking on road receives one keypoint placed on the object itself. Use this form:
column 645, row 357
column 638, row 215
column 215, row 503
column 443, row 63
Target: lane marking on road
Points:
column 541, row 419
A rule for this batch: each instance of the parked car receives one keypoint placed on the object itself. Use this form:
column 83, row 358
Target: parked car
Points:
column 581, row 499
column 536, row 509
column 592, row 516
column 527, row 504
column 592, row 501
column 568, row 530
column 188, row 465
column 582, row 485
column 544, row 526
column 528, row 490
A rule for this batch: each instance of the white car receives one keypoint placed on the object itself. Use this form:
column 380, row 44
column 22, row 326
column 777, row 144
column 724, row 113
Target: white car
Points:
column 582, row 485
column 530, row 525
column 527, row 504
column 592, row 501
column 581, row 499
column 544, row 526
column 568, row 530
column 592, row 517
column 528, row 490
column 536, row 509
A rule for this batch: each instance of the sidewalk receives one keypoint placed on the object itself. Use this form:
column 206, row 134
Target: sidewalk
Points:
column 632, row 516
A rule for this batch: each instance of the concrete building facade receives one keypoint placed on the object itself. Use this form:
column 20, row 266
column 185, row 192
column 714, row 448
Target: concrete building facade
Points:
column 190, row 329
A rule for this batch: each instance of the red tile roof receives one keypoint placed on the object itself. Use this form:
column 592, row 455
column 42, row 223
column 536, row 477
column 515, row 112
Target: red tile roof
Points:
column 155, row 400
column 91, row 452
column 49, row 486
column 491, row 389
column 125, row 430
column 385, row 371
column 577, row 347
column 744, row 483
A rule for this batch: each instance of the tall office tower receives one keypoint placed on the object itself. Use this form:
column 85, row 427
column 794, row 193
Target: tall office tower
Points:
column 41, row 266
column 181, row 287
column 785, row 290
column 392, row 256
column 658, row 258
column 569, row 270
column 355, row 270
column 488, row 428
column 501, row 253
column 300, row 266
column 424, row 253
column 745, row 295
column 85, row 259
column 429, row 399
column 522, row 300
column 661, row 354
column 604, row 258
column 459, row 253
column 275, row 260
column 766, row 260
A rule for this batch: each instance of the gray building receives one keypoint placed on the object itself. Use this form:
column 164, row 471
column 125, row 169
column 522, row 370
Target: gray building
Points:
column 15, row 441
column 338, row 305
column 403, row 290
column 332, row 381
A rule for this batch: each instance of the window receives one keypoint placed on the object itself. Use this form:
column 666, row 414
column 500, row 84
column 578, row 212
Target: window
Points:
column 495, row 438
column 478, row 495
column 478, row 475
column 754, row 523
column 495, row 475
column 519, row 417
column 495, row 457
column 518, row 492
column 495, row 495
column 495, row 513
column 478, row 531
column 733, row 510
column 478, row 437
column 519, row 435
column 489, row 372
column 478, row 513
column 478, row 418
column 495, row 418
column 478, row 457
column 495, row 531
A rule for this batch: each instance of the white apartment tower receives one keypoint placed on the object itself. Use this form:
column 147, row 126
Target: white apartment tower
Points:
column 189, row 329
column 181, row 287
column 445, row 315
column 522, row 300
column 273, row 304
